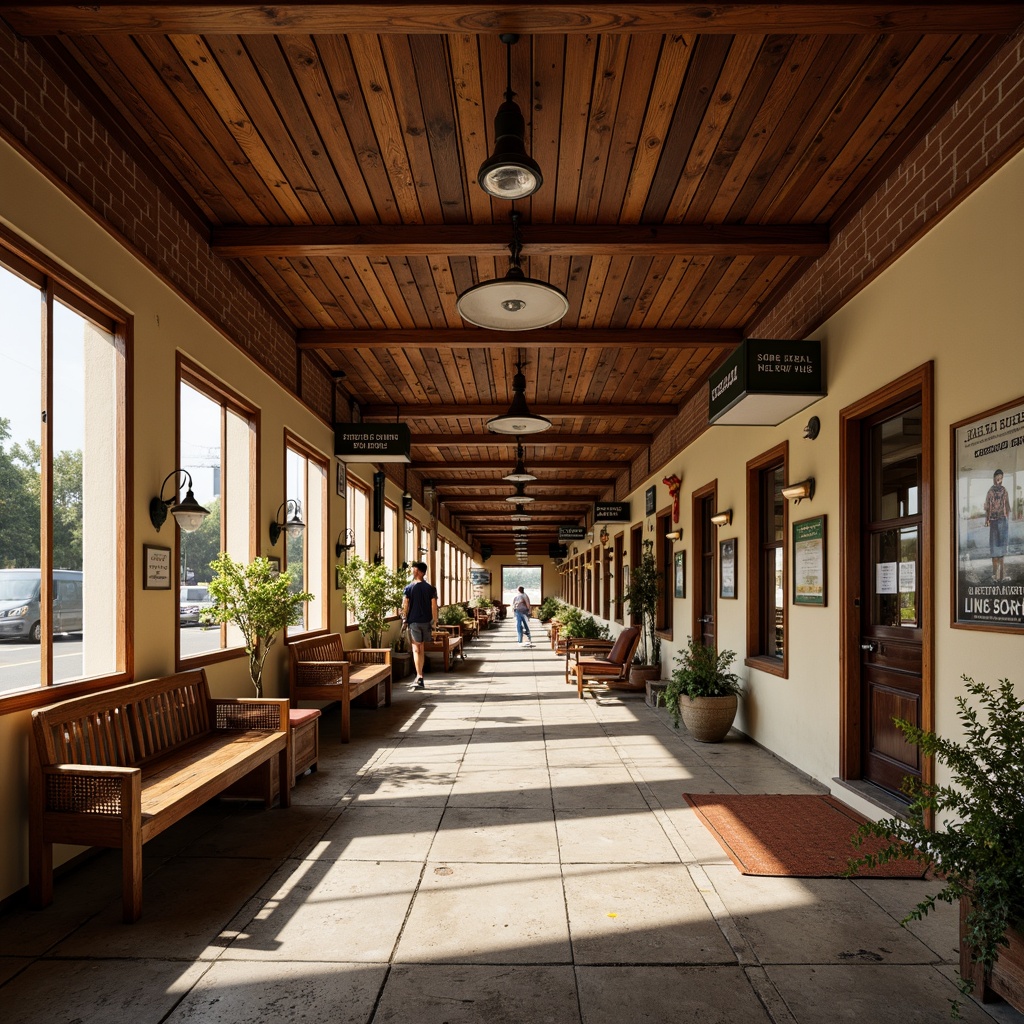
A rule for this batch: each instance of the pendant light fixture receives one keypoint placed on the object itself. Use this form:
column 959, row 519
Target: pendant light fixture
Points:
column 520, row 516
column 519, row 497
column 520, row 474
column 509, row 173
column 514, row 302
column 518, row 419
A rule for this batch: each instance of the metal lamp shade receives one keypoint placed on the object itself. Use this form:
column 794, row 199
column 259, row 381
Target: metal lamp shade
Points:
column 512, row 303
column 189, row 514
column 509, row 172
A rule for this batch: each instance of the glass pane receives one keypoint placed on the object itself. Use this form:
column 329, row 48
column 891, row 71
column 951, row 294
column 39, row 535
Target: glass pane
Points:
column 201, row 457
column 85, row 519
column 895, row 559
column 20, row 440
column 896, row 466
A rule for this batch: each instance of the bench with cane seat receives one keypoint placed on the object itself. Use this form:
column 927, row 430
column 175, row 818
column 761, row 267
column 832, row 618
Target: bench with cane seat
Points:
column 610, row 670
column 446, row 640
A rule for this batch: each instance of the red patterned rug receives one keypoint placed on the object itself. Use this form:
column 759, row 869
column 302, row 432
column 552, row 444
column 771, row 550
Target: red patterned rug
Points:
column 792, row 836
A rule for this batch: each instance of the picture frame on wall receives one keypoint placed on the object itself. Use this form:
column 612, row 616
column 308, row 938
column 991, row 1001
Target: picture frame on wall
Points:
column 341, row 480
column 988, row 520
column 650, row 500
column 156, row 567
column 275, row 565
column 810, row 562
column 679, row 573
column 727, row 568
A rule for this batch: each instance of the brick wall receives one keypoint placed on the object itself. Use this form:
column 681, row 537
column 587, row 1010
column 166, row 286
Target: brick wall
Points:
column 44, row 119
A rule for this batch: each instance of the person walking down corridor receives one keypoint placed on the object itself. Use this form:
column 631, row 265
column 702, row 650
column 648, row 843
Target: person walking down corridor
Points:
column 419, row 612
column 523, row 611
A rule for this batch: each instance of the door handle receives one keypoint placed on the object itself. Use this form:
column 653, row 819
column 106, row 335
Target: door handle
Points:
column 867, row 647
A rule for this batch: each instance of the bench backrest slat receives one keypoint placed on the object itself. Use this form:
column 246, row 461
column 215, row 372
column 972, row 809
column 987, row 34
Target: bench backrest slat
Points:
column 127, row 725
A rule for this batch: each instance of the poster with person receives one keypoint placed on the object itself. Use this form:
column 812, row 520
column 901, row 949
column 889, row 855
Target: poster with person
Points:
column 988, row 467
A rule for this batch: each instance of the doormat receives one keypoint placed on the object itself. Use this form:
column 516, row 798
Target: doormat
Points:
column 792, row 836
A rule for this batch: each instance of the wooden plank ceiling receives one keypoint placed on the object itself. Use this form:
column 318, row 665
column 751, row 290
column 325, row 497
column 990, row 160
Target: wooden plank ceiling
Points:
column 695, row 156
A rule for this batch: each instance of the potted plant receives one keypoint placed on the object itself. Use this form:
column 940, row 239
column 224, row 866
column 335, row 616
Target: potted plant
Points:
column 972, row 833
column 259, row 600
column 642, row 596
column 372, row 591
column 703, row 691
column 401, row 656
column 548, row 609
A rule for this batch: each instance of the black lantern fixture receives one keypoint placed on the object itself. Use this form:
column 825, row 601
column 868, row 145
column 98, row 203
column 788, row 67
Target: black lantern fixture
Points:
column 518, row 419
column 514, row 302
column 292, row 525
column 509, row 173
column 188, row 514
column 519, row 475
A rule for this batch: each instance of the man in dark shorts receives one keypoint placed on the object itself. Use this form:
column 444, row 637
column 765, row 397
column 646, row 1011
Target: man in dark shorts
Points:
column 419, row 613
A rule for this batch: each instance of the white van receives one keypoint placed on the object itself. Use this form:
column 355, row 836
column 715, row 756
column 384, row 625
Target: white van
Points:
column 19, row 603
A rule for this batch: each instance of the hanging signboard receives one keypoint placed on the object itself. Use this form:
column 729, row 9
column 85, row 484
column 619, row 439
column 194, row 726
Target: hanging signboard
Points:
column 612, row 511
column 571, row 532
column 480, row 577
column 372, row 442
column 765, row 382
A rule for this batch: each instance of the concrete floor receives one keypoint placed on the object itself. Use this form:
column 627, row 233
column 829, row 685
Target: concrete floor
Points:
column 489, row 850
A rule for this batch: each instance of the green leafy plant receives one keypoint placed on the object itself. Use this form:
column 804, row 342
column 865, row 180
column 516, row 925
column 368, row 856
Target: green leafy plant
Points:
column 452, row 615
column 548, row 609
column 483, row 602
column 372, row 592
column 702, row 672
column 573, row 624
column 977, row 848
column 642, row 596
column 257, row 599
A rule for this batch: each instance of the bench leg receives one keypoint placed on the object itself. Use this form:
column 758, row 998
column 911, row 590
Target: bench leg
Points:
column 40, row 871
column 387, row 691
column 579, row 681
column 284, row 776
column 346, row 712
column 131, row 876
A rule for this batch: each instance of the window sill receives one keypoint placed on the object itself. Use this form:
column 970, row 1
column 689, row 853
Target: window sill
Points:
column 771, row 666
column 26, row 700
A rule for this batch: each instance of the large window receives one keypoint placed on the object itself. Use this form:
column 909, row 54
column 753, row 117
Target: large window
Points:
column 357, row 510
column 217, row 447
column 306, row 552
column 766, row 561
column 64, row 560
column 389, row 542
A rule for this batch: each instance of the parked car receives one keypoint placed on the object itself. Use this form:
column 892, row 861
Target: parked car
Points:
column 19, row 603
column 193, row 601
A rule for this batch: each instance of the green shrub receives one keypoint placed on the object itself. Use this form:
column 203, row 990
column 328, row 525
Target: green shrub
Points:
column 702, row 672
column 452, row 615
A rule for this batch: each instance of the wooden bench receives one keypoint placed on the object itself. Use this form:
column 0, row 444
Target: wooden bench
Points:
column 118, row 767
column 447, row 640
column 321, row 669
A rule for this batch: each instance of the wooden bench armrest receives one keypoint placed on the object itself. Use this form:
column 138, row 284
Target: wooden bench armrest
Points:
column 320, row 673
column 90, row 789
column 267, row 713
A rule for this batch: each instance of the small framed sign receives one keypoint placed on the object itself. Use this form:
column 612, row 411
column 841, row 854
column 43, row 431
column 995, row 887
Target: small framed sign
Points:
column 679, row 573
column 809, row 562
column 727, row 568
column 341, row 481
column 156, row 567
column 650, row 500
column 275, row 565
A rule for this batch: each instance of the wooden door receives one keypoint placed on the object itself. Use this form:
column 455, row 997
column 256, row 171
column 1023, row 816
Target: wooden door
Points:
column 891, row 610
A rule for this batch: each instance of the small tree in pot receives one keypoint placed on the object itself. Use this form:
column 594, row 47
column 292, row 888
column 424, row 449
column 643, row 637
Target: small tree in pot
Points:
column 257, row 599
column 372, row 592
column 642, row 596
column 977, row 849
column 703, row 691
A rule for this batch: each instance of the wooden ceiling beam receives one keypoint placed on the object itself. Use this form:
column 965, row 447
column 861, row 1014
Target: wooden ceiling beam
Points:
column 552, row 337
column 487, row 499
column 463, row 410
column 556, row 17
column 449, row 485
column 595, row 440
column 492, row 240
column 576, row 465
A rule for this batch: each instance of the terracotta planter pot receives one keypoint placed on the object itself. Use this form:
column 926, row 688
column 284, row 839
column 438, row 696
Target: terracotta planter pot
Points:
column 708, row 719
column 1006, row 979
column 640, row 674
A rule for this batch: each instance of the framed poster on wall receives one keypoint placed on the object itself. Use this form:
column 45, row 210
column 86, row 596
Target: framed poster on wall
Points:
column 727, row 568
column 156, row 567
column 988, row 519
column 809, row 562
column 341, row 481
column 679, row 573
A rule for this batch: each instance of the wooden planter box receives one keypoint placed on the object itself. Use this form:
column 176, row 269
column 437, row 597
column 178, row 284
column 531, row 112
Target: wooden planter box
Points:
column 1006, row 979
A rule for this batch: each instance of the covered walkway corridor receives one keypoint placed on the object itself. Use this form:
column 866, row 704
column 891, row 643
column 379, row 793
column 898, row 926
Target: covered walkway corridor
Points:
column 489, row 849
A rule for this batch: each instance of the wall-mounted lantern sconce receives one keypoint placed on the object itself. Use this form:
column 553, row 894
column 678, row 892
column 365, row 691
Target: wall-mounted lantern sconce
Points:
column 798, row 491
column 346, row 542
column 722, row 518
column 282, row 524
column 603, row 536
column 813, row 428
column 188, row 513
column 590, row 536
column 674, row 535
